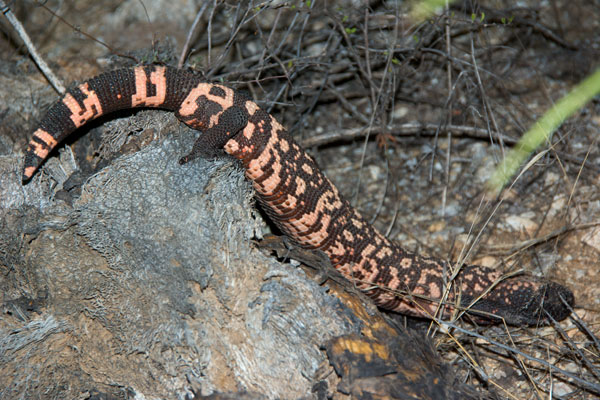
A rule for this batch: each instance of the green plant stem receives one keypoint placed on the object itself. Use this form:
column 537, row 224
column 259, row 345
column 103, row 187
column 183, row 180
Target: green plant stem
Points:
column 542, row 130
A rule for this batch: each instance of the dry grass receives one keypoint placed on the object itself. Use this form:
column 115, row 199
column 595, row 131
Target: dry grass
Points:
column 409, row 119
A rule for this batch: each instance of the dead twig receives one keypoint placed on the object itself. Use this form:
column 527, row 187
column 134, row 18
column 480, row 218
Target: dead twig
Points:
column 192, row 32
column 37, row 58
column 87, row 35
column 498, row 249
column 407, row 129
column 589, row 385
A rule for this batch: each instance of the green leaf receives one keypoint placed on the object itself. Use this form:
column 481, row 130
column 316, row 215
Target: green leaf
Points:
column 350, row 30
column 503, row 20
column 423, row 9
column 473, row 16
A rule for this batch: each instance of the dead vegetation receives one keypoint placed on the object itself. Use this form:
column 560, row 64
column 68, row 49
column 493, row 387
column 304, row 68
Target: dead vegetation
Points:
column 409, row 119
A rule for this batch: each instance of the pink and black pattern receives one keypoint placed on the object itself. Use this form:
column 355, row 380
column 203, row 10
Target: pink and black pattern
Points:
column 299, row 199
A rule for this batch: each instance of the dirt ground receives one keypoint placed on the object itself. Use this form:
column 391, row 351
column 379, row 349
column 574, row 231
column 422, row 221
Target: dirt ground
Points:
column 407, row 118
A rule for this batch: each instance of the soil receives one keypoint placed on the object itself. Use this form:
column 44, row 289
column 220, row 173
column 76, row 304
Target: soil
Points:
column 411, row 118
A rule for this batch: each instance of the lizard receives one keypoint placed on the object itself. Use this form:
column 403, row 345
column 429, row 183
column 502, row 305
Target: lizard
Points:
column 301, row 201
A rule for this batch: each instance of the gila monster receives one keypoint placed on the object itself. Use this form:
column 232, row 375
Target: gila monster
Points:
column 299, row 199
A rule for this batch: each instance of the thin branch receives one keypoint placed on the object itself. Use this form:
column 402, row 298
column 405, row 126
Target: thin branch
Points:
column 37, row 58
column 407, row 129
column 190, row 35
column 87, row 35
column 594, row 387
